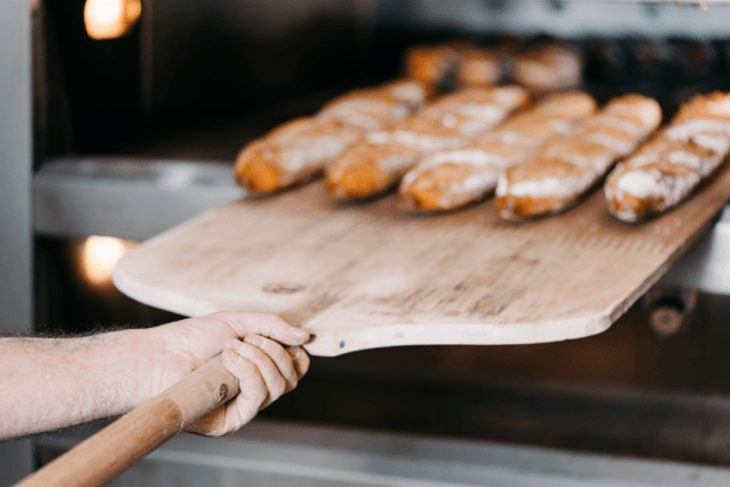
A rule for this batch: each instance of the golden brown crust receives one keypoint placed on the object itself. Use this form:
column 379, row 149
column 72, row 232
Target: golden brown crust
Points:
column 667, row 169
column 555, row 177
column 548, row 68
column 430, row 65
column 478, row 67
column 427, row 193
column 299, row 149
column 358, row 174
column 513, row 206
column 378, row 163
column 255, row 173
column 519, row 208
column 460, row 63
column 452, row 178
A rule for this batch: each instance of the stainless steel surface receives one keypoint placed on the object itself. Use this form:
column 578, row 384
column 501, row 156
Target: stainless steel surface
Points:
column 128, row 198
column 283, row 454
column 137, row 199
column 706, row 266
column 15, row 199
column 564, row 18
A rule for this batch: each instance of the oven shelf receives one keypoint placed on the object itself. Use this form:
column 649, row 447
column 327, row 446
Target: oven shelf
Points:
column 694, row 18
column 272, row 452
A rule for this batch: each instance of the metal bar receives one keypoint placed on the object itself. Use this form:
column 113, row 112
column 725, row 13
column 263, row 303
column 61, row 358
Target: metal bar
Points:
column 271, row 452
column 565, row 18
column 128, row 198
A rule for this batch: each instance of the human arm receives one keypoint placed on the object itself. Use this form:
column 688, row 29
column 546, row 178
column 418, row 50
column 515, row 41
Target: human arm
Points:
column 48, row 383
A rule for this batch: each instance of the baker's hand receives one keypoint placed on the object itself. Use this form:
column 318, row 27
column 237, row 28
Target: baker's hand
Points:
column 261, row 350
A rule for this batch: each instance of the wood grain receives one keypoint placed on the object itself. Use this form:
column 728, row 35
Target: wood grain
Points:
column 365, row 276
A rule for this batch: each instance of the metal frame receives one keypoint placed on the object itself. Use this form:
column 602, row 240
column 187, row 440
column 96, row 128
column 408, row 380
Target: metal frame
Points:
column 696, row 18
column 270, row 452
column 16, row 457
column 133, row 198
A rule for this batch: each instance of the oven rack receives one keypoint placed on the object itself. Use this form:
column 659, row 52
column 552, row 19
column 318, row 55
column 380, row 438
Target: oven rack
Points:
column 287, row 453
column 563, row 18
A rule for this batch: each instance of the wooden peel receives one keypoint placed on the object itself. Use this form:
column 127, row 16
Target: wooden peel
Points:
column 103, row 456
column 366, row 276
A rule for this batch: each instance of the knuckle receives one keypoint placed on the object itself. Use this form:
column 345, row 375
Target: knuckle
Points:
column 259, row 394
column 247, row 367
column 305, row 359
column 262, row 328
column 263, row 343
column 279, row 387
column 230, row 356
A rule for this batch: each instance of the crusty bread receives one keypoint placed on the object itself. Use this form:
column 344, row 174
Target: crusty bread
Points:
column 431, row 65
column 557, row 175
column 299, row 149
column 548, row 68
column 667, row 169
column 377, row 163
column 452, row 178
column 459, row 64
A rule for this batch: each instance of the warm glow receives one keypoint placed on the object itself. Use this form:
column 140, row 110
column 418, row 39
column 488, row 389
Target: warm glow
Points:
column 98, row 256
column 109, row 19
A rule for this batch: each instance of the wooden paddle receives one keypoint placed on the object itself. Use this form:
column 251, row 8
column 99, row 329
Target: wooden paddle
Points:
column 103, row 456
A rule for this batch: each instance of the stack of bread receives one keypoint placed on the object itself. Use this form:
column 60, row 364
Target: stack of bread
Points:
column 452, row 178
column 299, row 149
column 539, row 158
column 542, row 69
column 378, row 162
column 556, row 176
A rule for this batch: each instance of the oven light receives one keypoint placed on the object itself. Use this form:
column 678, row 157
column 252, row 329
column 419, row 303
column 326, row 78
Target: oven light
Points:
column 110, row 19
column 98, row 256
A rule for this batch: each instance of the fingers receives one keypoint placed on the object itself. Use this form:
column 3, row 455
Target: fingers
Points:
column 279, row 356
column 264, row 324
column 300, row 359
column 254, row 391
column 265, row 371
column 276, row 385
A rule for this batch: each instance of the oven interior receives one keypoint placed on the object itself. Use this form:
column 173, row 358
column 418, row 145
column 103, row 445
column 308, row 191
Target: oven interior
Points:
column 193, row 81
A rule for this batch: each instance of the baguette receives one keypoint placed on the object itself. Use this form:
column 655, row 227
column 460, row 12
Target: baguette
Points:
column 431, row 65
column 458, row 63
column 557, row 175
column 666, row 170
column 453, row 178
column 376, row 164
column 299, row 149
column 552, row 67
column 478, row 67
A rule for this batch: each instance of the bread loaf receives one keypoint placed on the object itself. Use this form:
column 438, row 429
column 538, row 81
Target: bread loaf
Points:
column 667, row 169
column 377, row 163
column 300, row 149
column 456, row 64
column 548, row 68
column 452, row 178
column 557, row 175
